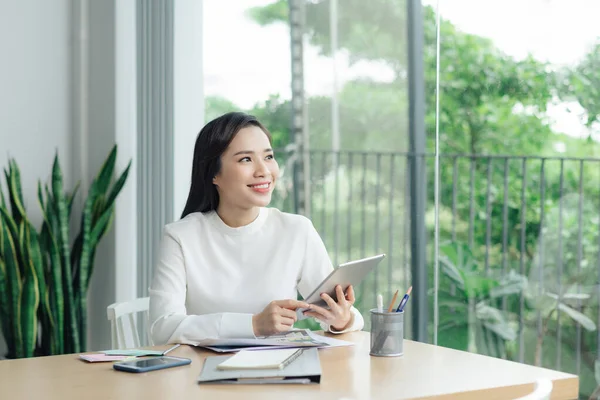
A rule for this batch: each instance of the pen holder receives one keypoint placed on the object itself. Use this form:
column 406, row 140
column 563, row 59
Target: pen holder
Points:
column 387, row 333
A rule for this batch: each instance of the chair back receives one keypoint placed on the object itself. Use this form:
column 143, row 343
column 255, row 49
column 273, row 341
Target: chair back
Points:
column 124, row 323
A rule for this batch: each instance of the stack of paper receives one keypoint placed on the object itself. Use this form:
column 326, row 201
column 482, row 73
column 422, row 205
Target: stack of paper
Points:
column 265, row 359
column 305, row 369
column 301, row 338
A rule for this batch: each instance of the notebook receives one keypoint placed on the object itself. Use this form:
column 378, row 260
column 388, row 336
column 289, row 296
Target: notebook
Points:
column 306, row 369
column 261, row 359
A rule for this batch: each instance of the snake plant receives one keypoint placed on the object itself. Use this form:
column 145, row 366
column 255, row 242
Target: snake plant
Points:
column 44, row 278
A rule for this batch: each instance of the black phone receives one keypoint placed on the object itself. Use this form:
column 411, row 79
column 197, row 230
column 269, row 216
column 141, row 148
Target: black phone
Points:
column 151, row 364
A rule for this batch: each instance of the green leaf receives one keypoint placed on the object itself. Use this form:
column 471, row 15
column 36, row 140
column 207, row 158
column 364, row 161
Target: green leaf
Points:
column 84, row 261
column 40, row 194
column 29, row 303
column 98, row 230
column 578, row 317
column 11, row 225
column 55, row 287
column 14, row 289
column 6, row 322
column 568, row 296
column 15, row 193
column 36, row 263
column 106, row 172
column 2, row 199
column 502, row 329
column 62, row 240
column 480, row 342
column 452, row 272
column 116, row 189
column 575, row 296
column 460, row 255
column 71, row 197
column 274, row 12
column 101, row 226
column 488, row 313
column 513, row 283
column 479, row 286
column 452, row 304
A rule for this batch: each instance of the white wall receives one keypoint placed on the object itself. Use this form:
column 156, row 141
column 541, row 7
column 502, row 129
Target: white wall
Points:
column 35, row 104
column 35, row 93
column 58, row 90
column 68, row 82
column 188, row 95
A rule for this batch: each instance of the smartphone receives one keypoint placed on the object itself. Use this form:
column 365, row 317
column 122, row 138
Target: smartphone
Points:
column 151, row 364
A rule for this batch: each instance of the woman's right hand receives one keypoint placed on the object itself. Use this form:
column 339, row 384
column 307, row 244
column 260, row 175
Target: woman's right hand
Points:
column 279, row 316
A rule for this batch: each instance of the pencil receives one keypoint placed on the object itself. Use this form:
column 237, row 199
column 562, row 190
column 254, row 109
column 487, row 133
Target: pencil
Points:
column 391, row 307
column 172, row 348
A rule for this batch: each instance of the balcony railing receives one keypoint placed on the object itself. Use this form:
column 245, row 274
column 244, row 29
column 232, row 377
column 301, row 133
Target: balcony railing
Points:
column 538, row 217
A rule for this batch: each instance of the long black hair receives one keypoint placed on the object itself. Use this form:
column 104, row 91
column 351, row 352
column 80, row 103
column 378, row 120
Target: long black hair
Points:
column 211, row 143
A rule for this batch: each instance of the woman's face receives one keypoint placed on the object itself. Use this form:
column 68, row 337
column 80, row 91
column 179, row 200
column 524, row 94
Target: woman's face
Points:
column 248, row 170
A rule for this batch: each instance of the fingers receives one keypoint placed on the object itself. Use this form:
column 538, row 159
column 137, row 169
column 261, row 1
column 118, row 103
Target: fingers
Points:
column 315, row 315
column 287, row 322
column 286, row 313
column 291, row 304
column 350, row 295
column 330, row 302
column 341, row 298
column 320, row 313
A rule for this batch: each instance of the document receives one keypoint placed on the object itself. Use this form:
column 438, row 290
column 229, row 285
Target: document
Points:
column 265, row 359
column 291, row 339
column 305, row 369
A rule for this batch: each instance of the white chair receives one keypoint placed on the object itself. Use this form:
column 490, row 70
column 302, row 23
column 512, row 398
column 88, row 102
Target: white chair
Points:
column 123, row 326
column 542, row 391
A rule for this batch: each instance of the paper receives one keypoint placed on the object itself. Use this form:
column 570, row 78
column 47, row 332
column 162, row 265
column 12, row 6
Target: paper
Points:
column 266, row 359
column 329, row 341
column 102, row 358
column 133, row 353
column 291, row 339
column 297, row 338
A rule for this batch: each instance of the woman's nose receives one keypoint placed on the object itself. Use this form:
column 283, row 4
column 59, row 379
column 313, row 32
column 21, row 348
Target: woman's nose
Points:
column 261, row 169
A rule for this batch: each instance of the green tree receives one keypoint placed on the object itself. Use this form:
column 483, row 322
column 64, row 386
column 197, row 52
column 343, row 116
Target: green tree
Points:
column 491, row 104
column 583, row 84
column 479, row 84
column 215, row 106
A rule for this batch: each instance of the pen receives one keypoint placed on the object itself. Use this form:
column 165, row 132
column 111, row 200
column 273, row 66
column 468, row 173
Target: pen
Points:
column 391, row 307
column 404, row 300
column 379, row 303
column 172, row 348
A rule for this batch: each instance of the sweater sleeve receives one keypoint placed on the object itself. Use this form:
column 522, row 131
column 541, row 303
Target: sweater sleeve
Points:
column 169, row 321
column 316, row 266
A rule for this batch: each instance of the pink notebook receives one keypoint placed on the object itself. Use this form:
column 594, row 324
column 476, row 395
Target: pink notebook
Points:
column 102, row 357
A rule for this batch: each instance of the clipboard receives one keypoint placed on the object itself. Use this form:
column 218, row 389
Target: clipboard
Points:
column 306, row 369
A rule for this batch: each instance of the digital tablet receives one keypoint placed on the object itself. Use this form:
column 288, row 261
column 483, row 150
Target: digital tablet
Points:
column 350, row 273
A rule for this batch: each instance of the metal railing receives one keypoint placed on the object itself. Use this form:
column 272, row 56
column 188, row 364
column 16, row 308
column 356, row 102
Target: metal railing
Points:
column 536, row 216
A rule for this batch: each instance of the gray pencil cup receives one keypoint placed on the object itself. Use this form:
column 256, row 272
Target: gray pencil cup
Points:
column 387, row 333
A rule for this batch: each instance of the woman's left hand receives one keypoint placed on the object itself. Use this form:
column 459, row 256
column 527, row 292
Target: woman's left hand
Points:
column 339, row 315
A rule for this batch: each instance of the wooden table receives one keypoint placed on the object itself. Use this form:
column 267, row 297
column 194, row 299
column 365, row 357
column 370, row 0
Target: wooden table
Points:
column 424, row 372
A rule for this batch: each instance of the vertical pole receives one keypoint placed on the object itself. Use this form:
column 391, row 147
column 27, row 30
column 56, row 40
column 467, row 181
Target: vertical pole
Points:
column 298, row 131
column 416, row 95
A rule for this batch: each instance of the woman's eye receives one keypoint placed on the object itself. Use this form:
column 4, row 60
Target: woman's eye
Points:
column 245, row 159
column 270, row 157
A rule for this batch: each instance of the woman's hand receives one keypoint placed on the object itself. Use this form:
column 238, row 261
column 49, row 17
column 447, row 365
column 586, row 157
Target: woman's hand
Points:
column 279, row 316
column 339, row 315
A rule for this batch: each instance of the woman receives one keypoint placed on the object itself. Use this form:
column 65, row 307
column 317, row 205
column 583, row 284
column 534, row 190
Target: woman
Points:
column 230, row 267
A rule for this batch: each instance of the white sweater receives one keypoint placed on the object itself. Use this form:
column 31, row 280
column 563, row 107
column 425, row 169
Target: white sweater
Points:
column 211, row 278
